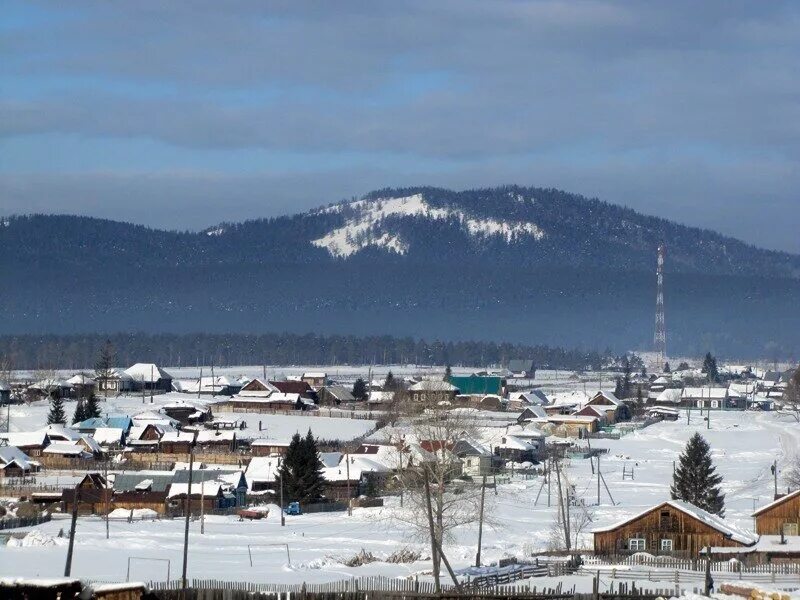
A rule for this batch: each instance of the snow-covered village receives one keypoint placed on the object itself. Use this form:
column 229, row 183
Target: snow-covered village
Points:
column 282, row 477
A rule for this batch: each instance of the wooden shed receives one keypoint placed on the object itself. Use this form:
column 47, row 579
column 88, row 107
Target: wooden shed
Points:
column 672, row 528
column 782, row 515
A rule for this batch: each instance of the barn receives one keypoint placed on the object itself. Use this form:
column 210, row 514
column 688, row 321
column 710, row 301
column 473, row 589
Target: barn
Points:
column 672, row 528
column 780, row 516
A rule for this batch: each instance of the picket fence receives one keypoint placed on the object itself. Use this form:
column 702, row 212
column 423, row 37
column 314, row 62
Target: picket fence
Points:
column 677, row 576
column 673, row 564
column 374, row 588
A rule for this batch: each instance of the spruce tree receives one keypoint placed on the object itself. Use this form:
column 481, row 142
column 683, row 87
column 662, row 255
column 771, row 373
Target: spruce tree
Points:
column 291, row 466
column 390, row 384
column 360, row 389
column 666, row 367
column 56, row 414
column 695, row 479
column 448, row 373
column 313, row 481
column 710, row 367
column 92, row 408
column 80, row 413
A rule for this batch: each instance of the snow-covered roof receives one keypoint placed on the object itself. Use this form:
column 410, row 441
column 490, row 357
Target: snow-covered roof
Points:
column 108, row 435
column 777, row 502
column 148, row 417
column 92, row 444
column 525, row 432
column 570, row 398
column 715, row 522
column 662, row 380
column 701, row 393
column 213, row 435
column 330, row 459
column 514, row 443
column 315, row 375
column 376, row 396
column 178, row 436
column 11, row 455
column 262, row 468
column 433, row 385
column 25, row 438
column 65, row 449
column 147, row 372
column 208, row 488
column 533, row 397
column 670, row 395
column 80, row 379
column 61, row 432
column 608, row 396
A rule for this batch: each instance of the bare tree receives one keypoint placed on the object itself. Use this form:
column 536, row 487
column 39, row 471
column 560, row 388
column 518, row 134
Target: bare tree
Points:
column 426, row 453
column 791, row 396
column 104, row 367
column 792, row 474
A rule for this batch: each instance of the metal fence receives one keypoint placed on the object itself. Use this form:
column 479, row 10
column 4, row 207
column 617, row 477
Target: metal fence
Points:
column 14, row 522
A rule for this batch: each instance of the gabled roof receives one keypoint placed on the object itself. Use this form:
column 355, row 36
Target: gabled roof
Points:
column 11, row 455
column 80, row 379
column 518, row 365
column 25, row 438
column 147, row 372
column 705, row 392
column 123, row 422
column 603, row 394
column 778, row 502
column 108, row 435
column 92, row 423
column 340, row 392
column 66, row 449
column 742, row 536
column 61, row 432
column 159, row 481
column 433, row 385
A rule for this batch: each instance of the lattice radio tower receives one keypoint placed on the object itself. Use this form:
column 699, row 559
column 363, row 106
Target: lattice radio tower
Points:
column 660, row 337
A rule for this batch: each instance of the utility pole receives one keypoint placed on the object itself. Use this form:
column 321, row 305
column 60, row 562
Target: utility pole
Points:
column 598, row 480
column 434, row 560
column 775, row 477
column 184, row 582
column 480, row 523
column 349, row 497
column 202, row 504
column 283, row 516
column 152, row 383
column 660, row 335
column 200, row 383
column 213, row 381
column 107, row 492
column 68, row 566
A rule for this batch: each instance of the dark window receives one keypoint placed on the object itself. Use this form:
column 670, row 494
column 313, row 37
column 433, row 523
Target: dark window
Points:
column 665, row 521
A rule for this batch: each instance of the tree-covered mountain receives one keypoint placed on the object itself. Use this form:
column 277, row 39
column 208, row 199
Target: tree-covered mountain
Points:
column 528, row 265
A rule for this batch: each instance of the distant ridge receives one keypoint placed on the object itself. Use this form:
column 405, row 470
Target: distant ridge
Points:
column 419, row 261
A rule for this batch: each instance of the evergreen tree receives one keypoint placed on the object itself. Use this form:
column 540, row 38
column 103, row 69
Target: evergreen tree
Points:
column 91, row 408
column 626, row 377
column 448, row 373
column 618, row 391
column 56, row 414
column 683, row 366
column 666, row 367
column 301, row 470
column 313, row 481
column 80, row 413
column 695, row 479
column 710, row 367
column 390, row 384
column 360, row 389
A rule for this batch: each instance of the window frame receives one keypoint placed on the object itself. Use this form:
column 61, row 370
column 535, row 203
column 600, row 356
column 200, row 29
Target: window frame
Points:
column 667, row 545
column 637, row 544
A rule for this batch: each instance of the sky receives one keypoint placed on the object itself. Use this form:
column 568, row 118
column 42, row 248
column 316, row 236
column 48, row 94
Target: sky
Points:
column 180, row 115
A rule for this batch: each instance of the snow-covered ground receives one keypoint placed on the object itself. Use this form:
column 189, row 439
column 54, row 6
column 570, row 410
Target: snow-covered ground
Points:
column 744, row 446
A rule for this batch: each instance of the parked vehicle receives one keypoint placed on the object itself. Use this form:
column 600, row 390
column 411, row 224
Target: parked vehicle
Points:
column 293, row 509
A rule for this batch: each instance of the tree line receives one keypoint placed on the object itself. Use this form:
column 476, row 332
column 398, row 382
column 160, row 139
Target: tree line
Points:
column 81, row 351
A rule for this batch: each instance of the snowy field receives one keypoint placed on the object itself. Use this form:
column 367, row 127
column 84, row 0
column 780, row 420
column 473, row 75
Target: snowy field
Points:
column 744, row 446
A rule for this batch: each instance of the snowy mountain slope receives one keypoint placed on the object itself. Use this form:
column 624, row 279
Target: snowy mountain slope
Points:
column 369, row 227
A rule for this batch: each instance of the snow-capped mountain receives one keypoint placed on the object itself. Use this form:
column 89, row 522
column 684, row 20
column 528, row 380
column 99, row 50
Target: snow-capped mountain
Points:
column 369, row 226
column 522, row 264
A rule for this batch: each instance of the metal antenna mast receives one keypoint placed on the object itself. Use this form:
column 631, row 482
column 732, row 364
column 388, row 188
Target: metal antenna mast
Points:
column 660, row 337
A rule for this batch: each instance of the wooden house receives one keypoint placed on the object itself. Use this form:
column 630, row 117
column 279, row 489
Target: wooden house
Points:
column 608, row 403
column 315, row 379
column 211, row 440
column 177, row 442
column 334, row 395
column 522, row 368
column 301, row 388
column 93, row 495
column 115, row 381
column 268, row 448
column 15, row 463
column 31, row 443
column 672, row 528
column 476, row 459
column 148, row 376
column 780, row 516
column 432, row 391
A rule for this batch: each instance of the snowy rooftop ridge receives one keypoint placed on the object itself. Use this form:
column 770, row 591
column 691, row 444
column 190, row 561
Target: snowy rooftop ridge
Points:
column 362, row 231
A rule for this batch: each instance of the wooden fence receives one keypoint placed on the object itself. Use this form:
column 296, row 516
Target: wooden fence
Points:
column 673, row 564
column 334, row 413
column 375, row 588
column 686, row 577
column 515, row 572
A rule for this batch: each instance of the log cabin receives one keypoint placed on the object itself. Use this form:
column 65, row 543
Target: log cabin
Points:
column 672, row 528
column 780, row 516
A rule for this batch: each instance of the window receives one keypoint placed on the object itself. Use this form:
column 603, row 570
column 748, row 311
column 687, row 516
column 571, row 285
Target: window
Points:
column 666, row 545
column 790, row 529
column 664, row 520
column 636, row 544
